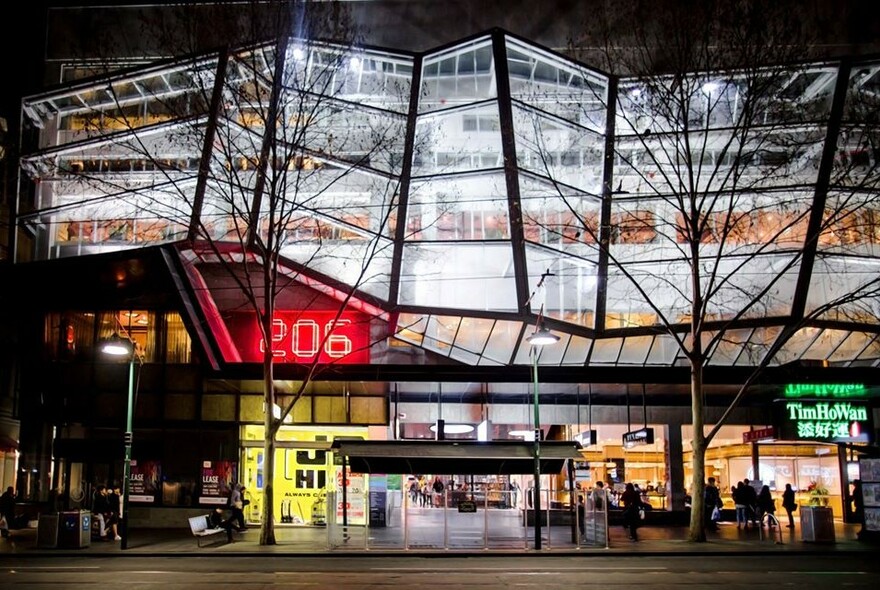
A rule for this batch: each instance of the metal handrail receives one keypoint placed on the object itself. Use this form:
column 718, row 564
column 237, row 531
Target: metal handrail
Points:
column 771, row 518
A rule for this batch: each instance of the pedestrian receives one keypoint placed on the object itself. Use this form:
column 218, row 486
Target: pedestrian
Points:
column 739, row 504
column 789, row 504
column 7, row 510
column 750, row 499
column 236, row 506
column 426, row 494
column 114, row 497
column 581, row 516
column 438, row 488
column 631, row 502
column 216, row 521
column 766, row 505
column 711, row 503
column 598, row 497
column 858, row 501
column 413, row 491
column 101, row 510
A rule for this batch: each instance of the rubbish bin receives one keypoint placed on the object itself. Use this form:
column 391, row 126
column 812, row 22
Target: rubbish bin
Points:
column 74, row 529
column 47, row 531
column 817, row 524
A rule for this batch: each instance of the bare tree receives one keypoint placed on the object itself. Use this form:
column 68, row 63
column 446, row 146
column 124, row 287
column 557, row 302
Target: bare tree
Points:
column 268, row 158
column 719, row 191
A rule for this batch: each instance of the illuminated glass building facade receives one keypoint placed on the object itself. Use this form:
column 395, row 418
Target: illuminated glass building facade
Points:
column 450, row 201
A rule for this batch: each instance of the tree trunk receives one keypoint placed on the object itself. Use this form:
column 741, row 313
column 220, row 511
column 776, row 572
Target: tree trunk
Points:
column 697, row 530
column 267, row 530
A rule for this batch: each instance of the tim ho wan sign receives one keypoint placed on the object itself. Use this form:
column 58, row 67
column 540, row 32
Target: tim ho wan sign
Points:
column 831, row 421
column 304, row 335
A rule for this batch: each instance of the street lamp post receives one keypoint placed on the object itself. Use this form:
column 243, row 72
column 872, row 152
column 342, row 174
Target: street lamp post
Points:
column 541, row 337
column 119, row 346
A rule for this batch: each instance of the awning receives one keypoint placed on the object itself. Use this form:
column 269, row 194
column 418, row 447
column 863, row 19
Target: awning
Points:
column 455, row 457
column 8, row 444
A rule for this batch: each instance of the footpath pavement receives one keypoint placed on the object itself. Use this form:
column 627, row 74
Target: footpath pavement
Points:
column 313, row 541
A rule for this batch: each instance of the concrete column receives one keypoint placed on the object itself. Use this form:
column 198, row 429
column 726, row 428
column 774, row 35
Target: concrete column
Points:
column 756, row 462
column 675, row 489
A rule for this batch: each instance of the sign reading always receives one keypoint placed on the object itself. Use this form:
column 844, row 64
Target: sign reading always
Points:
column 827, row 421
column 823, row 390
column 634, row 438
column 301, row 336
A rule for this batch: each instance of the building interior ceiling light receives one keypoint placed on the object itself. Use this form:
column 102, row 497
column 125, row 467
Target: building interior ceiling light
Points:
column 454, row 428
column 521, row 433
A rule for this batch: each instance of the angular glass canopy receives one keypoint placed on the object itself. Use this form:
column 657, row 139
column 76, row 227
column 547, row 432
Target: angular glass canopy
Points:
column 494, row 181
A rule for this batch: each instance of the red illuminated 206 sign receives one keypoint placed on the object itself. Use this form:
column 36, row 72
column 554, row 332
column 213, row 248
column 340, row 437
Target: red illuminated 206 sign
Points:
column 300, row 336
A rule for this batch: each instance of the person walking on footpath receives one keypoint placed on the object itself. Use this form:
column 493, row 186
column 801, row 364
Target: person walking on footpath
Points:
column 711, row 502
column 236, row 506
column 631, row 501
column 789, row 504
column 598, row 497
column 581, row 515
column 739, row 503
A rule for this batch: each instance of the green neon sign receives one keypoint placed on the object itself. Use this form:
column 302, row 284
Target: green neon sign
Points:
column 835, row 390
column 839, row 421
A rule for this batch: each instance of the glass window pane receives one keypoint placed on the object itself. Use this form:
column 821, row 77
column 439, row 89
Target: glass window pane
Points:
column 458, row 276
column 460, row 75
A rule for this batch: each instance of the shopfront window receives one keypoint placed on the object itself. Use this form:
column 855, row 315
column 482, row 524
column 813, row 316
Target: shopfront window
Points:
column 72, row 334
column 811, row 469
column 304, row 473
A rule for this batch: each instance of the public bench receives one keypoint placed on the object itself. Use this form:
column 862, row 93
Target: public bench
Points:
column 200, row 528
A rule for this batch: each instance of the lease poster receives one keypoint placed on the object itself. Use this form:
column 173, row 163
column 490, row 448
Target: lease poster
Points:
column 143, row 481
column 218, row 477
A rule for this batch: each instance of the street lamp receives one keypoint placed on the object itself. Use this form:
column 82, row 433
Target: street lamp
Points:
column 120, row 347
column 540, row 337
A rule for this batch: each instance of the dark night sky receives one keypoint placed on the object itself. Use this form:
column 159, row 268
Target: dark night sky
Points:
column 22, row 47
column 23, row 41
column 21, row 51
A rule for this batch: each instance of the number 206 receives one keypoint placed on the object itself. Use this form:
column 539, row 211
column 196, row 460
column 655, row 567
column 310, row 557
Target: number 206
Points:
column 306, row 336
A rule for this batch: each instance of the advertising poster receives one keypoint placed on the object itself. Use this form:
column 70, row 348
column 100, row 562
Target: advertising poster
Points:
column 872, row 519
column 143, row 483
column 356, row 488
column 378, row 499
column 871, row 494
column 870, row 471
column 218, row 478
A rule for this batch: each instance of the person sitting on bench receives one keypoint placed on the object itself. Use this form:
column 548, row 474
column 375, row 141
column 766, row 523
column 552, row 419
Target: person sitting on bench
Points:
column 217, row 521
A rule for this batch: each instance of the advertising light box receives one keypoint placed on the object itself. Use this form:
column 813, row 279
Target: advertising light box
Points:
column 824, row 420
